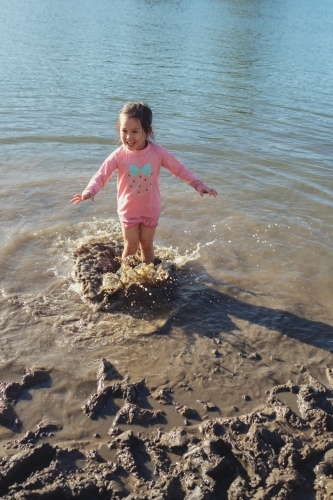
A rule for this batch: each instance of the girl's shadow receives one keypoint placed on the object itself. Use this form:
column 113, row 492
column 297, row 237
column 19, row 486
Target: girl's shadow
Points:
column 195, row 306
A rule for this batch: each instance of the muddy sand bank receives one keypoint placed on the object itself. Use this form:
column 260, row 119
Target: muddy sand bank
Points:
column 278, row 451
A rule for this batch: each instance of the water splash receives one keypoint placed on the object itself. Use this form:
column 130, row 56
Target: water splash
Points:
column 99, row 272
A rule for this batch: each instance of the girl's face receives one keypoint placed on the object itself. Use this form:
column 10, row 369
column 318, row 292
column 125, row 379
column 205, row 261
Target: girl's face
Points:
column 132, row 134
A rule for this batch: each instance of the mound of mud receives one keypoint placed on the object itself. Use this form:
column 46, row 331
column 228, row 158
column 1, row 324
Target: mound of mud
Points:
column 99, row 270
column 11, row 392
column 275, row 452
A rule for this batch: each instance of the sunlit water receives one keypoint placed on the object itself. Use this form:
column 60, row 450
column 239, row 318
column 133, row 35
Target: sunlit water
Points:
column 242, row 93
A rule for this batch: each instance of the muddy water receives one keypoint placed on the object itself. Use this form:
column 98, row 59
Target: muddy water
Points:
column 206, row 340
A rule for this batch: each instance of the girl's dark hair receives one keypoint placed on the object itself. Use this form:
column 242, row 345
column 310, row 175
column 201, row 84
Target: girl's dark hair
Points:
column 140, row 111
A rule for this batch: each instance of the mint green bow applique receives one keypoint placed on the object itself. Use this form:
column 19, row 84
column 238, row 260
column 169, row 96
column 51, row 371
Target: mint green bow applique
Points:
column 146, row 170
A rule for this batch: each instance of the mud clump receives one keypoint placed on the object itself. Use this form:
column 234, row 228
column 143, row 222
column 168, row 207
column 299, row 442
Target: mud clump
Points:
column 91, row 262
column 101, row 273
column 133, row 395
column 187, row 412
column 163, row 396
column 11, row 392
column 273, row 452
column 7, row 413
column 133, row 414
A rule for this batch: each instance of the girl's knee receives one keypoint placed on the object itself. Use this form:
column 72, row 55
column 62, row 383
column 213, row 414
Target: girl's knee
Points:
column 130, row 247
column 146, row 236
column 146, row 244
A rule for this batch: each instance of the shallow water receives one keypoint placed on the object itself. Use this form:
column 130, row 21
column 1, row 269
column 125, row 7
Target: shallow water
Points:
column 241, row 92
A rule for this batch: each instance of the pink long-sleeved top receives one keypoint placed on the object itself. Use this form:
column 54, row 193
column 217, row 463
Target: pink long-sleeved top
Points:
column 138, row 179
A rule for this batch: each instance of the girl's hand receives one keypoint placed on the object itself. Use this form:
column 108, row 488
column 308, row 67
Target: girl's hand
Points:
column 77, row 198
column 207, row 190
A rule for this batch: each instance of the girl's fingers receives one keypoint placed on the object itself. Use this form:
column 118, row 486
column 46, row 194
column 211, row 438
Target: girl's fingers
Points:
column 76, row 199
column 209, row 191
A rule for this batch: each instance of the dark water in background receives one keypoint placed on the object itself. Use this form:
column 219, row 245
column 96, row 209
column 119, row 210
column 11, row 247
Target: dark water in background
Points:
column 241, row 91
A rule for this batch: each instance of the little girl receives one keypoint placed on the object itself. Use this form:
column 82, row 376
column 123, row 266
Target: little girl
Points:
column 138, row 162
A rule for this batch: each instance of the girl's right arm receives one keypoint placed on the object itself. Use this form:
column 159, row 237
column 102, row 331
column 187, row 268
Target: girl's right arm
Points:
column 77, row 198
column 99, row 180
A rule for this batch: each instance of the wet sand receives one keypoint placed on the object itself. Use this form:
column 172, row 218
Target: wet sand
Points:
column 283, row 449
column 195, row 415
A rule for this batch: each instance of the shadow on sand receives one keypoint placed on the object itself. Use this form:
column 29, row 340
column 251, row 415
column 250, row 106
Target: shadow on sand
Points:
column 194, row 305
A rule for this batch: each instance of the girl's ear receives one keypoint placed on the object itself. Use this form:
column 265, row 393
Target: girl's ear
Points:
column 150, row 131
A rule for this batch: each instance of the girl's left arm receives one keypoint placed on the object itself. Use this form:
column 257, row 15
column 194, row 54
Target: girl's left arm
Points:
column 181, row 171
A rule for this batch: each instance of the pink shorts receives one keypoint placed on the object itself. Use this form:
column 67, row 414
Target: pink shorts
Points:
column 146, row 221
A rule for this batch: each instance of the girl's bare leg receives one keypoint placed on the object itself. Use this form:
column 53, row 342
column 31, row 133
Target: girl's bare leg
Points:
column 131, row 240
column 139, row 235
column 146, row 237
